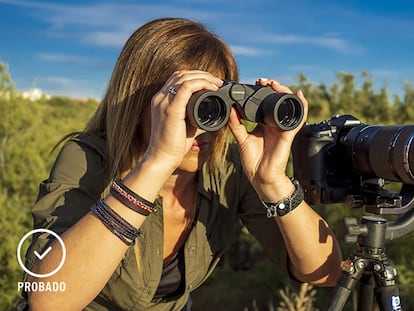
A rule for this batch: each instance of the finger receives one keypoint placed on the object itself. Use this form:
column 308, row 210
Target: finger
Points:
column 266, row 81
column 187, row 88
column 274, row 84
column 302, row 97
column 280, row 88
column 180, row 77
column 237, row 128
column 305, row 103
column 178, row 89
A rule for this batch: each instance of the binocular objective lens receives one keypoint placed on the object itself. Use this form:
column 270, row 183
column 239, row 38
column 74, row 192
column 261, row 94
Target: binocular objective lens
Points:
column 289, row 112
column 212, row 111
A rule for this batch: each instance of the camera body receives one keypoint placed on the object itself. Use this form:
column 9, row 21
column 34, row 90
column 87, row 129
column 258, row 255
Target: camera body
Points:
column 210, row 110
column 341, row 159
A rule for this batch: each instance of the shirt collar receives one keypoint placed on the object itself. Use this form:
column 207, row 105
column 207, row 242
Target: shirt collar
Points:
column 204, row 182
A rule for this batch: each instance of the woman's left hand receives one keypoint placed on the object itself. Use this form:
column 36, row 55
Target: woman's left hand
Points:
column 265, row 151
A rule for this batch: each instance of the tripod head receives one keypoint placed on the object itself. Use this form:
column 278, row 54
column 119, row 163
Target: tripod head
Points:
column 381, row 202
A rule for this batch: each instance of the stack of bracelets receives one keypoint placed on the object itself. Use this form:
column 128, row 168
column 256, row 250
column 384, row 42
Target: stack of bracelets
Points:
column 115, row 222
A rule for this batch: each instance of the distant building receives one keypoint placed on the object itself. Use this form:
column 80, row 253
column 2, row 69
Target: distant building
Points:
column 35, row 94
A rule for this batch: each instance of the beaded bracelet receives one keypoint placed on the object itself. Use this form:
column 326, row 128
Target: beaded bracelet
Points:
column 127, row 194
column 116, row 223
column 128, row 203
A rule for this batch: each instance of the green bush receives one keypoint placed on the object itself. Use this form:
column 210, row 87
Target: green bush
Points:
column 30, row 129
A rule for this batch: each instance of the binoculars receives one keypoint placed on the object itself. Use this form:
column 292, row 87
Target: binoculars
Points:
column 210, row 110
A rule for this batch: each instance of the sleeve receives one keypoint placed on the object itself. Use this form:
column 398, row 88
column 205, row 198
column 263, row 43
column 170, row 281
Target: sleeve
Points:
column 253, row 215
column 77, row 179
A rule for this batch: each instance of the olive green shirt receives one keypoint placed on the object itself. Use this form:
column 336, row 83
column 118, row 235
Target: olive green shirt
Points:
column 79, row 177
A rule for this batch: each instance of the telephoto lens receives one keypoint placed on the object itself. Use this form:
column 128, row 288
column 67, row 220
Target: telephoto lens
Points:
column 385, row 151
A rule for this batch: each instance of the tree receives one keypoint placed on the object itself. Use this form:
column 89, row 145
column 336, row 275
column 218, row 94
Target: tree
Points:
column 317, row 97
column 343, row 95
column 28, row 132
column 6, row 84
column 403, row 111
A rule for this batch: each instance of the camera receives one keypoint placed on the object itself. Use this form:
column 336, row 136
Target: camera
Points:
column 210, row 110
column 343, row 160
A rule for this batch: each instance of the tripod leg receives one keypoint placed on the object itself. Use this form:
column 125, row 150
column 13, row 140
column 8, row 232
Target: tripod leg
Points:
column 388, row 298
column 386, row 292
column 366, row 292
column 339, row 299
column 352, row 272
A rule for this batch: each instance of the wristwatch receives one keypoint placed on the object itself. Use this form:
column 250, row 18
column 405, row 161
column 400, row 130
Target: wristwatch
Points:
column 288, row 204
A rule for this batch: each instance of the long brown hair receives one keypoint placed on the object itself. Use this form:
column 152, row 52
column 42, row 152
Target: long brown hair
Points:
column 150, row 56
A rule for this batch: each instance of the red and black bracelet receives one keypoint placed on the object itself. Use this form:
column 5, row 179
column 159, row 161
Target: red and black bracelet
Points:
column 131, row 199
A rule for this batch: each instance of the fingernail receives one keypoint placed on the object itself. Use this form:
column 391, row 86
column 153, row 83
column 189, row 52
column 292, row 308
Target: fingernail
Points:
column 275, row 82
column 300, row 92
column 263, row 79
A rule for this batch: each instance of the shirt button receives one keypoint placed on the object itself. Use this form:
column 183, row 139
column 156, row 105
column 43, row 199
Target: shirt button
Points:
column 191, row 250
column 190, row 287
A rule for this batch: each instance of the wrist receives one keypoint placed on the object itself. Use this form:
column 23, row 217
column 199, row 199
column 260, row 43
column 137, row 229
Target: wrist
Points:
column 148, row 169
column 275, row 191
column 287, row 204
column 161, row 160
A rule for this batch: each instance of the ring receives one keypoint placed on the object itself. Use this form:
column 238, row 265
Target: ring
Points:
column 172, row 90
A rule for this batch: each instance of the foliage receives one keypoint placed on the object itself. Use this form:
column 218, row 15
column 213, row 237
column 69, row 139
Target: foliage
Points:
column 28, row 132
column 30, row 129
column 301, row 301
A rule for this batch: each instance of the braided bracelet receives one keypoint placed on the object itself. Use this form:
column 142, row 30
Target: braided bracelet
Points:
column 130, row 196
column 128, row 203
column 116, row 223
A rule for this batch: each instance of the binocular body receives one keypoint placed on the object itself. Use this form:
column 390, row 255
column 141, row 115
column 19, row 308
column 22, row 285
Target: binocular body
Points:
column 210, row 110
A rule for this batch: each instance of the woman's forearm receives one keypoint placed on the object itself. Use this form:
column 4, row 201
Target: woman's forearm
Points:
column 92, row 251
column 314, row 253
column 92, row 255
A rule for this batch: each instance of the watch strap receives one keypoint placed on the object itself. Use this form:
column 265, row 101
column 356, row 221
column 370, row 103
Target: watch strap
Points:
column 286, row 205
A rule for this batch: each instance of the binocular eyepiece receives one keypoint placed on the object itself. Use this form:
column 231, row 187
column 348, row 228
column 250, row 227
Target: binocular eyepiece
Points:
column 210, row 110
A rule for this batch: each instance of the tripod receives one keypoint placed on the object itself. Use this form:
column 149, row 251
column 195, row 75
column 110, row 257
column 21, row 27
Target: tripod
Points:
column 368, row 264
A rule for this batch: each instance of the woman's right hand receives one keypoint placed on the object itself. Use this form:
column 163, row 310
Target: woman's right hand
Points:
column 171, row 136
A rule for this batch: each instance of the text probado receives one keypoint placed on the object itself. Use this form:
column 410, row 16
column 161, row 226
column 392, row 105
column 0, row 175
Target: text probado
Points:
column 41, row 286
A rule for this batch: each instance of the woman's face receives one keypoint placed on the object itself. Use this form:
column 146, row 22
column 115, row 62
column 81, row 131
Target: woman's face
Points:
column 199, row 152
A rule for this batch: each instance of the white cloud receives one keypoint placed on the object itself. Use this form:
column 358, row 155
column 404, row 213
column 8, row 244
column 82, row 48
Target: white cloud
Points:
column 84, row 62
column 247, row 51
column 63, row 58
column 76, row 88
column 102, row 24
column 110, row 24
column 334, row 43
column 106, row 38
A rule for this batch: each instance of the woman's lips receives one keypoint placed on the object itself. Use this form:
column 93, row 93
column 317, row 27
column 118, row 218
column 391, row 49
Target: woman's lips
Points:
column 199, row 145
column 203, row 141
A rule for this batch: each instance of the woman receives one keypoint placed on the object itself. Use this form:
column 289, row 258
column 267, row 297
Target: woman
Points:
column 169, row 192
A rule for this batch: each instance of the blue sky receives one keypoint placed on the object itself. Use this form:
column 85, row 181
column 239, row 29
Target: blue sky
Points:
column 69, row 47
